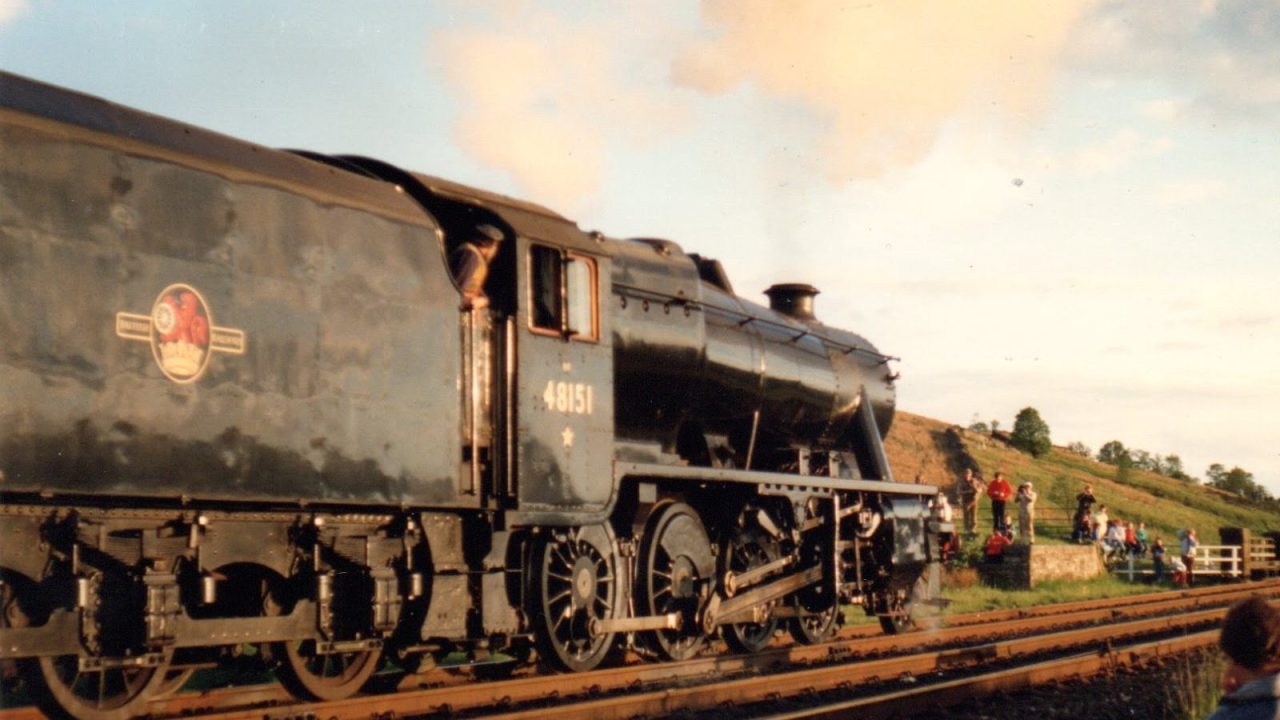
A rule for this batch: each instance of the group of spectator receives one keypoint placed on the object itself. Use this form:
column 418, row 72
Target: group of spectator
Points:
column 971, row 488
column 1000, row 492
column 1091, row 523
column 1121, row 539
column 1250, row 636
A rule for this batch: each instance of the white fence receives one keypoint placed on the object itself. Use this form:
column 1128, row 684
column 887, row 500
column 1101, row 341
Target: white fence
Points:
column 1220, row 560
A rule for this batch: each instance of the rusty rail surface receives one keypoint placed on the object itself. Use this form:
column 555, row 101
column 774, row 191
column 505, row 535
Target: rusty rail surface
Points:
column 734, row 696
column 650, row 689
column 906, row 703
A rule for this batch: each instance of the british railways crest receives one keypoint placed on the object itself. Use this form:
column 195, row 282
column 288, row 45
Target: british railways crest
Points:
column 181, row 332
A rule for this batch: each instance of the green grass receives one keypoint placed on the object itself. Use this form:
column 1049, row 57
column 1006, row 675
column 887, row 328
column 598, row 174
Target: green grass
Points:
column 1194, row 685
column 1164, row 504
column 978, row 598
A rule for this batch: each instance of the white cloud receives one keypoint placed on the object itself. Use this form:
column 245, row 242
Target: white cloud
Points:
column 11, row 10
column 1223, row 55
column 1188, row 192
column 883, row 78
column 545, row 94
column 1117, row 152
column 1165, row 110
column 541, row 95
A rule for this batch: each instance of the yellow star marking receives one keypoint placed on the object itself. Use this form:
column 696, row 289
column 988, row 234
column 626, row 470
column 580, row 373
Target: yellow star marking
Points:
column 567, row 435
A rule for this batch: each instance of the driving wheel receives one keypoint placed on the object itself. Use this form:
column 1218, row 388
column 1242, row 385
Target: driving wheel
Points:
column 676, row 566
column 899, row 606
column 811, row 628
column 746, row 548
column 575, row 582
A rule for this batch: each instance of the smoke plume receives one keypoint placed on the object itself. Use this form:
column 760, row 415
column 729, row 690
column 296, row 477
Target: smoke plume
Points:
column 883, row 77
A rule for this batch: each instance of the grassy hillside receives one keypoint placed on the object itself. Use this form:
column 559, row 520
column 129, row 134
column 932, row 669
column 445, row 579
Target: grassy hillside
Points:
column 920, row 446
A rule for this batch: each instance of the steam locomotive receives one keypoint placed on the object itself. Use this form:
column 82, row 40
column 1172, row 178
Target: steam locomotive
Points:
column 241, row 408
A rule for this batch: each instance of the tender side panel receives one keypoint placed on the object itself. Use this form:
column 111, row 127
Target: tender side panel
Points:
column 326, row 366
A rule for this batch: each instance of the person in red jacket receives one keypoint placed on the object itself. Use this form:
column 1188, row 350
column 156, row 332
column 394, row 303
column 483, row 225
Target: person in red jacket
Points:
column 999, row 491
column 994, row 549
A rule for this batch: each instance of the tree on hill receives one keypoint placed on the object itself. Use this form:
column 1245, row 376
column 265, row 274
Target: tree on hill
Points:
column 1215, row 473
column 1112, row 452
column 977, row 426
column 1080, row 449
column 1124, row 468
column 1173, row 468
column 1030, row 433
column 1237, row 480
column 1144, row 460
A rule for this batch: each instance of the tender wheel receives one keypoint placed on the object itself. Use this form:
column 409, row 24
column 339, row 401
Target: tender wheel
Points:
column 64, row 690
column 171, row 681
column 325, row 676
column 744, row 549
column 12, row 615
column 59, row 685
column 303, row 668
column 675, row 569
column 575, row 581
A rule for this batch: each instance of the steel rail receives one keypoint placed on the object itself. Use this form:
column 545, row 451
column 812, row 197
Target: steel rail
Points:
column 735, row 694
column 906, row 703
column 558, row 697
column 459, row 691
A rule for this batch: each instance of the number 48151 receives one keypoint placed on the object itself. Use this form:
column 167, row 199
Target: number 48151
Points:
column 569, row 398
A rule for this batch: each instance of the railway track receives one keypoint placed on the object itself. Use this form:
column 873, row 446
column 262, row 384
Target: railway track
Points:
column 867, row 675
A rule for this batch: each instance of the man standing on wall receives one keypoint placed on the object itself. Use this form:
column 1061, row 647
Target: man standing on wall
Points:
column 999, row 491
column 967, row 491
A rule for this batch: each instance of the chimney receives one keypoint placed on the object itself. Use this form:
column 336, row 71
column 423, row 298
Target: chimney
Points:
column 792, row 299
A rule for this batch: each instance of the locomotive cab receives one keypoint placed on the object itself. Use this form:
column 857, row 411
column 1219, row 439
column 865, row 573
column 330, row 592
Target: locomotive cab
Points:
column 536, row 389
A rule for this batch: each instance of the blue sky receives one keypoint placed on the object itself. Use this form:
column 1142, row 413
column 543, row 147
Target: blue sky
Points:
column 1070, row 206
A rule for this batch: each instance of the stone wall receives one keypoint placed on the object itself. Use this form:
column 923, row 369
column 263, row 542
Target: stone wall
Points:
column 1026, row 566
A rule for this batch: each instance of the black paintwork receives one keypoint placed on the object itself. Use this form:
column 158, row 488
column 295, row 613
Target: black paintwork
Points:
column 348, row 386
column 693, row 360
column 225, row 368
column 337, row 282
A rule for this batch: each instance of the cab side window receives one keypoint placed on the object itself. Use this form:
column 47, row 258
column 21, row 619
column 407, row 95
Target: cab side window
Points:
column 544, row 311
column 563, row 288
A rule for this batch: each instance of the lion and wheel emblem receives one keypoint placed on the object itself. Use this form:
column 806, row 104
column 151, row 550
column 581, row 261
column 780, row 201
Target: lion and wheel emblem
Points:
column 181, row 333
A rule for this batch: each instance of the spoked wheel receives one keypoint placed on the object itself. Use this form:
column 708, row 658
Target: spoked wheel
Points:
column 12, row 615
column 675, row 567
column 746, row 548
column 899, row 615
column 172, row 680
column 65, row 690
column 816, row 628
column 100, row 687
column 325, row 676
column 818, row 605
column 575, row 581
column 301, row 665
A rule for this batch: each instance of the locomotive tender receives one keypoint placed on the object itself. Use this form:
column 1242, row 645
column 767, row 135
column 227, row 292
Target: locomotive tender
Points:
column 240, row 406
